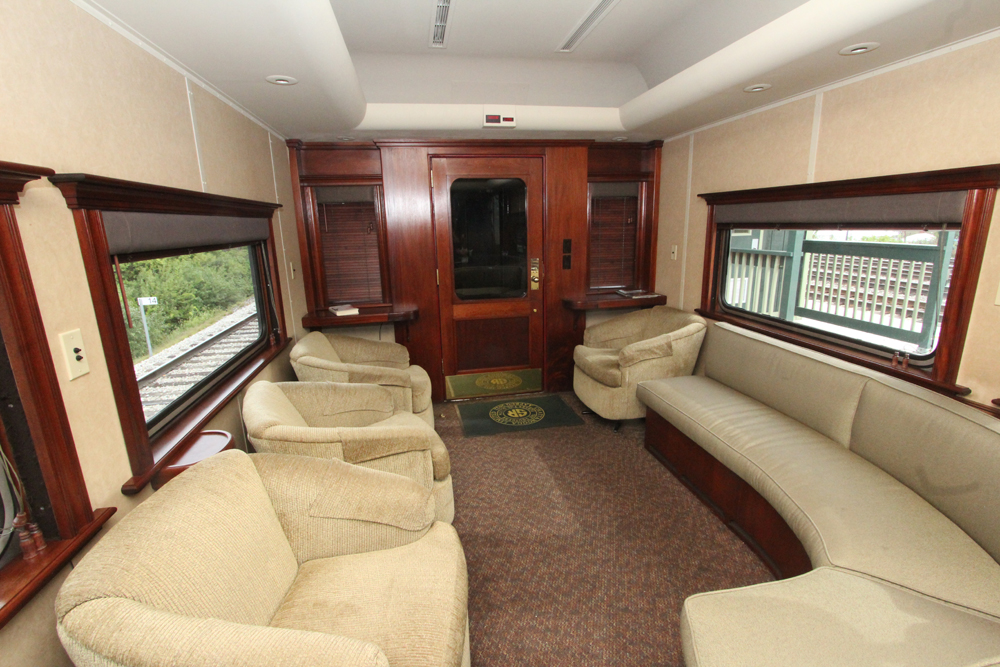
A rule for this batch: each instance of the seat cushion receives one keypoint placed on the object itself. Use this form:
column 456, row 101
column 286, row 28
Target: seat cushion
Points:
column 420, row 384
column 832, row 618
column 409, row 601
column 845, row 510
column 599, row 363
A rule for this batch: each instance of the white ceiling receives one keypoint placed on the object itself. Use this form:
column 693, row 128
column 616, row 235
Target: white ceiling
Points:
column 669, row 65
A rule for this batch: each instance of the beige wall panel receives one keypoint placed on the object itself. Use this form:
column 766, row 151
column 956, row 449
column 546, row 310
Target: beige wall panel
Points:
column 235, row 151
column 765, row 149
column 30, row 637
column 287, row 236
column 980, row 369
column 230, row 419
column 673, row 206
column 78, row 97
column 936, row 114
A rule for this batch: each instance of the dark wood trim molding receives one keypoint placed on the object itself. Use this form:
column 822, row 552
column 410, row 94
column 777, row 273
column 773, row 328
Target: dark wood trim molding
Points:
column 23, row 579
column 32, row 365
column 981, row 182
column 88, row 196
column 38, row 387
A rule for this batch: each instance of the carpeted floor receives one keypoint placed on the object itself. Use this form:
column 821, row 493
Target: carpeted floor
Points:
column 581, row 546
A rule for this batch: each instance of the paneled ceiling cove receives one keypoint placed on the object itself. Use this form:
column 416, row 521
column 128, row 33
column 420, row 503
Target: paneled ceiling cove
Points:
column 645, row 69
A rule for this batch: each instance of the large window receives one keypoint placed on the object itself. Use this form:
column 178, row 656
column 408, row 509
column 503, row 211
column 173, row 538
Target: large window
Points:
column 880, row 271
column 189, row 318
column 186, row 301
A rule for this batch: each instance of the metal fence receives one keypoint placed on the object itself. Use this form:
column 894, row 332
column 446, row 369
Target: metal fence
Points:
column 894, row 290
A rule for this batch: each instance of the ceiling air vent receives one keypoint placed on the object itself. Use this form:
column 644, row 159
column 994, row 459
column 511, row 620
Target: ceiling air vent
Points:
column 440, row 27
column 583, row 28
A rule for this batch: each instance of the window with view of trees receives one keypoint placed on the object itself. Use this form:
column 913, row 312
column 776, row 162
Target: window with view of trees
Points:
column 206, row 315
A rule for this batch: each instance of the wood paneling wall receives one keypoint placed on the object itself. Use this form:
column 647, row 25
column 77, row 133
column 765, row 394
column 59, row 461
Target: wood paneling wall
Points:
column 405, row 177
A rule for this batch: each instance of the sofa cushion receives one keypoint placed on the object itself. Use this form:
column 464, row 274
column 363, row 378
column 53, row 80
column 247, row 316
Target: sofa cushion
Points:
column 947, row 452
column 845, row 510
column 601, row 364
column 240, row 575
column 409, row 601
column 800, row 384
column 830, row 617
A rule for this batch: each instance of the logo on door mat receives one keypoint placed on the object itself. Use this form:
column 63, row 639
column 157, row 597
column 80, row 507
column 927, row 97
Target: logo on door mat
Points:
column 517, row 414
column 498, row 381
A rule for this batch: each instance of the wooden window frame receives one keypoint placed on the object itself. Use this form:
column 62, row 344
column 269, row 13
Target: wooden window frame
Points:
column 981, row 184
column 38, row 386
column 610, row 162
column 87, row 196
column 315, row 249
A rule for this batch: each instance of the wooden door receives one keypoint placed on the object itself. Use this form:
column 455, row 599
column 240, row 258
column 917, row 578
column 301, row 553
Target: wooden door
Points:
column 488, row 218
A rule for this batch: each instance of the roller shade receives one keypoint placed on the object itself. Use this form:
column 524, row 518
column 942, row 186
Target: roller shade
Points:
column 130, row 233
column 925, row 208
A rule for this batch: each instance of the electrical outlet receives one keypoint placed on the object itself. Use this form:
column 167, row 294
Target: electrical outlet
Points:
column 75, row 355
column 673, row 252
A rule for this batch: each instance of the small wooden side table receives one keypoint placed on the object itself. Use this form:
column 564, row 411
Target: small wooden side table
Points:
column 208, row 443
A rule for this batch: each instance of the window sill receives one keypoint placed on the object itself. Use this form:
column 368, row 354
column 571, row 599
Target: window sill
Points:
column 22, row 579
column 182, row 432
column 914, row 375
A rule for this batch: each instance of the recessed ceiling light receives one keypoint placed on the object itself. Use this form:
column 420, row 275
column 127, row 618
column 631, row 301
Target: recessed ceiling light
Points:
column 619, row 138
column 345, row 138
column 858, row 49
column 757, row 88
column 281, row 80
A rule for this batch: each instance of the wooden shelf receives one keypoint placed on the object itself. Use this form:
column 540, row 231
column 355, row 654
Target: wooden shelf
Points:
column 23, row 578
column 367, row 315
column 612, row 301
column 206, row 444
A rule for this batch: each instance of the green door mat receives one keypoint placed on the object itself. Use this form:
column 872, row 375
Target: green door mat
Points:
column 474, row 385
column 527, row 414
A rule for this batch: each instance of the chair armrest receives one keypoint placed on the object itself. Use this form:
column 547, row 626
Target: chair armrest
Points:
column 331, row 508
column 651, row 348
column 362, row 350
column 375, row 442
column 158, row 638
column 314, row 369
column 621, row 330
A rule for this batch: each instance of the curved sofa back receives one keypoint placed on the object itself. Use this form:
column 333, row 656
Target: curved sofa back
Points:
column 946, row 452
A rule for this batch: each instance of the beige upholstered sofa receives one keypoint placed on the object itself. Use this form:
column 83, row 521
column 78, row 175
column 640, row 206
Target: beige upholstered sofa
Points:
column 272, row 560
column 893, row 491
column 320, row 357
column 618, row 354
column 357, row 423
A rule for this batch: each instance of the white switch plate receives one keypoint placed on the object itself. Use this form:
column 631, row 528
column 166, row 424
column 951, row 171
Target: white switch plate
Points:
column 673, row 252
column 74, row 353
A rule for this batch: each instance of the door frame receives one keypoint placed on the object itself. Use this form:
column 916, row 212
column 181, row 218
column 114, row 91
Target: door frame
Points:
column 445, row 274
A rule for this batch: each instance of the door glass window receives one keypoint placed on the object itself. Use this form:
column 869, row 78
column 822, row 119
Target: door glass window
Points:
column 489, row 233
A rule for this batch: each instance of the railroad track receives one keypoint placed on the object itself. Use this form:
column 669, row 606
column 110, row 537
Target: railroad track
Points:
column 165, row 384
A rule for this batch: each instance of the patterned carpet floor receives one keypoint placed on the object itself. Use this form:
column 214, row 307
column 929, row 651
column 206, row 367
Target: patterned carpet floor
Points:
column 581, row 546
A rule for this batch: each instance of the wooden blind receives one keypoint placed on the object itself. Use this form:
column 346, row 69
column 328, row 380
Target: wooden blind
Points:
column 348, row 234
column 613, row 225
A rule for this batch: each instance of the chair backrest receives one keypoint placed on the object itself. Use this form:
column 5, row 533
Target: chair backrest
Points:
column 338, row 404
column 317, row 346
column 663, row 319
column 207, row 545
column 266, row 405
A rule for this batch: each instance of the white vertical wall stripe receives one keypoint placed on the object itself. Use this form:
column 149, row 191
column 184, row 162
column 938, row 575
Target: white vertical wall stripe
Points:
column 197, row 140
column 814, row 141
column 687, row 221
column 287, row 292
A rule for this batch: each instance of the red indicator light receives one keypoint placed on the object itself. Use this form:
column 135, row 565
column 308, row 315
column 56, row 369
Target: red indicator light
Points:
column 508, row 119
column 492, row 119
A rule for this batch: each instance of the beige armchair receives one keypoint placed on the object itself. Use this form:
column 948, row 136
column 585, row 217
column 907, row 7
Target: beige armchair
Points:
column 618, row 354
column 320, row 357
column 269, row 560
column 356, row 423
